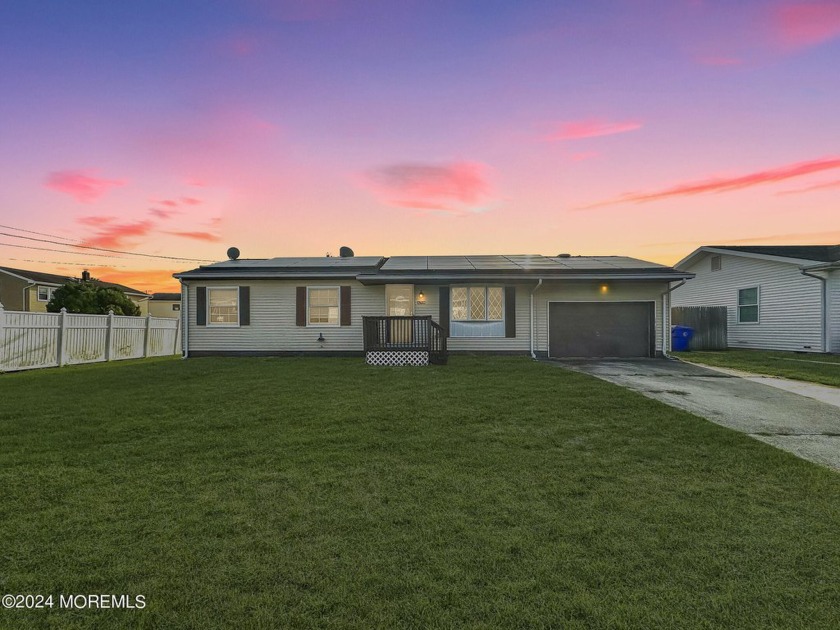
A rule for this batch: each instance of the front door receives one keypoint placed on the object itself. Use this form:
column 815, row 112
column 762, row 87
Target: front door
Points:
column 399, row 300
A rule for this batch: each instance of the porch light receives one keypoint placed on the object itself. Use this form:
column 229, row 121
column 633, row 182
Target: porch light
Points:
column 604, row 289
column 421, row 298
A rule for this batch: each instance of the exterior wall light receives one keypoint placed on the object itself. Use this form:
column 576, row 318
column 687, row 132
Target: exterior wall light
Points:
column 604, row 289
column 421, row 298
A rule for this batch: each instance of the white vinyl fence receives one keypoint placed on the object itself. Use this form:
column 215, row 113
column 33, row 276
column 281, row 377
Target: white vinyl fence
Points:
column 38, row 340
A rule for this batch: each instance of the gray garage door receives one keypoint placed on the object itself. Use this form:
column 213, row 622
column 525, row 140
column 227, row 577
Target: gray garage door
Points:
column 601, row 329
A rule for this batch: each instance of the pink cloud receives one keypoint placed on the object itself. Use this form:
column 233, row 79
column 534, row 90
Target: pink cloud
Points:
column 450, row 187
column 801, row 24
column 823, row 186
column 198, row 236
column 162, row 214
column 726, row 184
column 110, row 234
column 82, row 185
column 190, row 201
column 591, row 128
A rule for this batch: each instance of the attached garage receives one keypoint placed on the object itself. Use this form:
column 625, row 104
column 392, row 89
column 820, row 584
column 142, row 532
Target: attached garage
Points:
column 601, row 329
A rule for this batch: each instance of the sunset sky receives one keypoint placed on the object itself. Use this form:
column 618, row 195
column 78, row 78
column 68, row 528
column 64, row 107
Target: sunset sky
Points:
column 640, row 128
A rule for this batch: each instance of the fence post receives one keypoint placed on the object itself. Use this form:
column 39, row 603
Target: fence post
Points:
column 147, row 336
column 2, row 336
column 62, row 336
column 109, row 335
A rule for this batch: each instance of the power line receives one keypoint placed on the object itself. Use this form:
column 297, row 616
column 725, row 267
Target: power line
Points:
column 64, row 238
column 60, row 262
column 50, row 249
column 105, row 249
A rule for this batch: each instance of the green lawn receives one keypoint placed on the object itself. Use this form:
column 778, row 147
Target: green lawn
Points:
column 816, row 368
column 263, row 493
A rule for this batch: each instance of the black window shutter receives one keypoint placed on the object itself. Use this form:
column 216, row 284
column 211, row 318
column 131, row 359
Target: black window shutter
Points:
column 201, row 306
column 244, row 306
column 344, row 308
column 444, row 310
column 510, row 311
column 300, row 307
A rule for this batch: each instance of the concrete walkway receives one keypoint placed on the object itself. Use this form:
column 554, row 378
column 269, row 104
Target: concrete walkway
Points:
column 771, row 412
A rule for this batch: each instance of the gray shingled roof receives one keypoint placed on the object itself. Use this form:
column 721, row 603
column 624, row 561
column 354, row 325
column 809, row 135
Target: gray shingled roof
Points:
column 817, row 253
column 52, row 278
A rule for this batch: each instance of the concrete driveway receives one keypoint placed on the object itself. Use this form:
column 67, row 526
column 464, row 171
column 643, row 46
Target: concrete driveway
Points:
column 803, row 426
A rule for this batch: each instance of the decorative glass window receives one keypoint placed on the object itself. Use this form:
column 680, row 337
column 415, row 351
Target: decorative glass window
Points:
column 716, row 264
column 45, row 294
column 323, row 306
column 478, row 304
column 223, row 306
column 748, row 306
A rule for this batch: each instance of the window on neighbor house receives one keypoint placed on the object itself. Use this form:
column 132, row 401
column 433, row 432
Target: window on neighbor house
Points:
column 323, row 306
column 748, row 306
column 716, row 264
column 477, row 304
column 45, row 294
column 176, row 307
column 223, row 306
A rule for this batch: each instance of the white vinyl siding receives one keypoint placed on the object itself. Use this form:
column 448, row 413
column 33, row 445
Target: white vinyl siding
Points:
column 591, row 292
column 833, row 289
column 273, row 320
column 790, row 303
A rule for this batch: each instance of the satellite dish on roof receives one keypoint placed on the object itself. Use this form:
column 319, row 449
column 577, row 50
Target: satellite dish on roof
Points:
column 346, row 252
column 233, row 253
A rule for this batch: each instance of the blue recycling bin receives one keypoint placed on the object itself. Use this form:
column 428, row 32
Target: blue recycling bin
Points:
column 680, row 338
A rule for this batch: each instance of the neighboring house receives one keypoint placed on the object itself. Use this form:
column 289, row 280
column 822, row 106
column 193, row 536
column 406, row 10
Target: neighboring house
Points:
column 777, row 297
column 165, row 305
column 22, row 290
column 564, row 306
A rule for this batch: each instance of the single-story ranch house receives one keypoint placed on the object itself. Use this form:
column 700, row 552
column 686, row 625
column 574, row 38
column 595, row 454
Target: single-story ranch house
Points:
column 401, row 309
column 783, row 297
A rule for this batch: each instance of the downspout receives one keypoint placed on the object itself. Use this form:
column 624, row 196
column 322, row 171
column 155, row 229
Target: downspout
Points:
column 185, row 319
column 531, row 340
column 824, row 309
column 666, row 316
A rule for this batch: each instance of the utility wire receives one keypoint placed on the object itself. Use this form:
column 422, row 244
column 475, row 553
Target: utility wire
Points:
column 64, row 262
column 105, row 249
column 60, row 251
column 64, row 238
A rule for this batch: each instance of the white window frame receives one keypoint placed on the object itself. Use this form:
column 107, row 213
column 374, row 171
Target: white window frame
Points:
column 486, row 288
column 50, row 291
column 209, row 319
column 309, row 324
column 757, row 305
column 716, row 259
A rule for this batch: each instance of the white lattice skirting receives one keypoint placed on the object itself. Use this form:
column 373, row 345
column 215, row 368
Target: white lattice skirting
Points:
column 398, row 357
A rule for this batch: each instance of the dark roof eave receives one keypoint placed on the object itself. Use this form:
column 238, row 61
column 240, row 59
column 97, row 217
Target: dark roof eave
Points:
column 263, row 275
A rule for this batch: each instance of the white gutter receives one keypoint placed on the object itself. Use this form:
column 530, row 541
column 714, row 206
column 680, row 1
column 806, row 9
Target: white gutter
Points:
column 185, row 319
column 534, row 290
column 824, row 334
column 666, row 317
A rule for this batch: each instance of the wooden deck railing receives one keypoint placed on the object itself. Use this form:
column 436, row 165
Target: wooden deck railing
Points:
column 406, row 333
